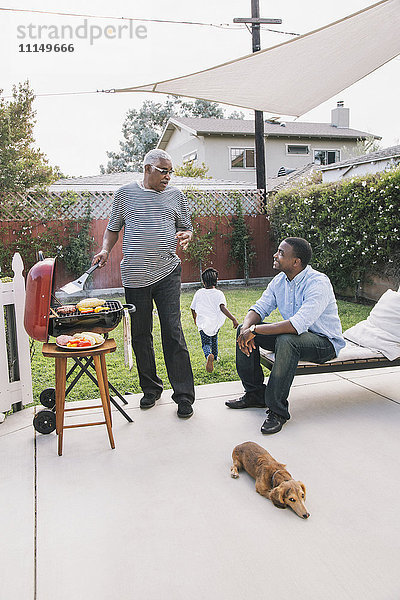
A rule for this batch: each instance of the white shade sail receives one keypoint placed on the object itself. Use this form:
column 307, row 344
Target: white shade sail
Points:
column 298, row 75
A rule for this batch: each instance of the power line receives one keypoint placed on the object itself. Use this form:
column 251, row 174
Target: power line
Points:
column 276, row 31
column 68, row 93
column 166, row 21
column 170, row 21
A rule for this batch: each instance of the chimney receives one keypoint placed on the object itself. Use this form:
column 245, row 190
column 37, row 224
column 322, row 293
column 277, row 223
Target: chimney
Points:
column 340, row 116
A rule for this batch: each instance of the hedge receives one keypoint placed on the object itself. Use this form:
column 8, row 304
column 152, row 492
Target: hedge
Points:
column 353, row 226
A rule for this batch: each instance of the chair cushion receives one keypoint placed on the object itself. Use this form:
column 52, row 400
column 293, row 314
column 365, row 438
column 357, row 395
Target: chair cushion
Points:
column 381, row 330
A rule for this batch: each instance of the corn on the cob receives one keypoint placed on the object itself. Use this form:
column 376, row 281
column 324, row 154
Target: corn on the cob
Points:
column 90, row 303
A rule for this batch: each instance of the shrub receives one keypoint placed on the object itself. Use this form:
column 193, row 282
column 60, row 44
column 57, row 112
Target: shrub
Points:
column 353, row 226
column 69, row 240
column 241, row 242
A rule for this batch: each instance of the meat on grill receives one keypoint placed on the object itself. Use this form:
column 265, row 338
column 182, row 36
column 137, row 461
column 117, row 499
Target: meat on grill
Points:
column 68, row 309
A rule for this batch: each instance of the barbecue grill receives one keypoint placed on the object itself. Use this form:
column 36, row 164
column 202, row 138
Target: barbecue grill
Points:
column 41, row 315
column 42, row 320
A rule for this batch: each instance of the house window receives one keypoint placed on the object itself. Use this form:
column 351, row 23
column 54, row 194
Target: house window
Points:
column 242, row 158
column 191, row 157
column 297, row 149
column 326, row 157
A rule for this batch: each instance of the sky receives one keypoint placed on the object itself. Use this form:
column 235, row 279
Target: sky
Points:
column 76, row 129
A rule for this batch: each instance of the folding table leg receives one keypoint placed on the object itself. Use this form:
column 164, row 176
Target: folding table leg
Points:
column 61, row 375
column 105, row 379
column 84, row 369
column 104, row 398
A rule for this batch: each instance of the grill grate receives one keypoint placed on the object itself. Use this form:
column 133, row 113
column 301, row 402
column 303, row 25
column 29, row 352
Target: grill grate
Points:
column 113, row 305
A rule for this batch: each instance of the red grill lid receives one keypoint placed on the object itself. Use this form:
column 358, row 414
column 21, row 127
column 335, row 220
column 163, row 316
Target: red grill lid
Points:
column 39, row 287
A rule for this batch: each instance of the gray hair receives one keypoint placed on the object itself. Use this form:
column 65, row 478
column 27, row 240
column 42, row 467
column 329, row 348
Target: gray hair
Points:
column 154, row 156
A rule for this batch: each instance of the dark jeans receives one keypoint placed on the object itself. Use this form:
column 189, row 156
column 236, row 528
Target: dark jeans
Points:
column 289, row 349
column 166, row 295
column 209, row 344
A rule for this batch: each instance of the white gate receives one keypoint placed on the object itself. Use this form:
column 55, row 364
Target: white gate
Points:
column 15, row 362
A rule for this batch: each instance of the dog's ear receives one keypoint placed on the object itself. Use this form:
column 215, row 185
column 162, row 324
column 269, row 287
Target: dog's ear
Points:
column 276, row 496
column 303, row 487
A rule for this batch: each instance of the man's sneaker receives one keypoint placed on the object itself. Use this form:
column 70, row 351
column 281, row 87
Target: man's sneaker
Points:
column 149, row 400
column 210, row 363
column 246, row 401
column 273, row 423
column 185, row 409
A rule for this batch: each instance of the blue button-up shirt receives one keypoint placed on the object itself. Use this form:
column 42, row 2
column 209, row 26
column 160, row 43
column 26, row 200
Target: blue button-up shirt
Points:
column 307, row 301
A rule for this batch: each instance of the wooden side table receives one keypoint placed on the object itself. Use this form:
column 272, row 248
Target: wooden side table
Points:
column 98, row 354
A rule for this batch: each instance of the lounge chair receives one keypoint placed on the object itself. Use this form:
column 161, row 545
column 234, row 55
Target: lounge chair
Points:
column 370, row 344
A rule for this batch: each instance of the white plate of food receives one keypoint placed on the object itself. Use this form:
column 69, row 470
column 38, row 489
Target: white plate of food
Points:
column 95, row 340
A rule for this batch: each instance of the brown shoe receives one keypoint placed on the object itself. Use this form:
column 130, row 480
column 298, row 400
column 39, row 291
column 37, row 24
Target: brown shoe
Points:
column 246, row 401
column 210, row 363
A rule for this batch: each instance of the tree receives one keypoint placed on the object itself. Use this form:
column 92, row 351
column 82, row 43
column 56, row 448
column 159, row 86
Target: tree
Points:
column 22, row 167
column 366, row 146
column 189, row 169
column 143, row 127
column 141, row 130
column 201, row 108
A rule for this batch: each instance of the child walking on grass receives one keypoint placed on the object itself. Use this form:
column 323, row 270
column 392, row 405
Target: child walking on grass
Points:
column 209, row 313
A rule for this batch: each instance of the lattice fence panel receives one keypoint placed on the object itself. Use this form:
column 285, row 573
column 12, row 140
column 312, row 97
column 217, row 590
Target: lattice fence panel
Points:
column 76, row 205
column 224, row 202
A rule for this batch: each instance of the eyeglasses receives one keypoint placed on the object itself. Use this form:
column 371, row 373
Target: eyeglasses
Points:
column 164, row 171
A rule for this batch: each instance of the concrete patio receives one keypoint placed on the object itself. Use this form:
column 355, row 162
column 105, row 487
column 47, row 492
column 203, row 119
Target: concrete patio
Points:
column 160, row 517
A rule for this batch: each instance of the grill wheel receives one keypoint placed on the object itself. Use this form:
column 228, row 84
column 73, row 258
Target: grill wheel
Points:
column 48, row 397
column 45, row 421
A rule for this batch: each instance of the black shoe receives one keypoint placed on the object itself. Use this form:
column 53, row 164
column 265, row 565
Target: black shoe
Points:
column 185, row 409
column 246, row 401
column 149, row 400
column 273, row 423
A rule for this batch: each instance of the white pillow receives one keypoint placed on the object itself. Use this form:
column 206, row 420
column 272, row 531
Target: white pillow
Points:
column 381, row 330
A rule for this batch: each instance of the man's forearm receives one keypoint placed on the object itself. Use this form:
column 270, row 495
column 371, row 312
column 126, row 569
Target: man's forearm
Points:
column 252, row 318
column 109, row 240
column 275, row 328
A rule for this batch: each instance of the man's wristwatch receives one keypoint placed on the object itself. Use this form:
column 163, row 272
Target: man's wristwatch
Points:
column 253, row 329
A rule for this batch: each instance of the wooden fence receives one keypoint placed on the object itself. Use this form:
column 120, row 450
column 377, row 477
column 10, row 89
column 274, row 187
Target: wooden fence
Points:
column 64, row 206
column 27, row 218
column 15, row 364
column 109, row 276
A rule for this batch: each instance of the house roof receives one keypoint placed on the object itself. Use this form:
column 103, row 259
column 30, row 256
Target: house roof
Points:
column 276, row 184
column 113, row 181
column 295, row 129
column 385, row 154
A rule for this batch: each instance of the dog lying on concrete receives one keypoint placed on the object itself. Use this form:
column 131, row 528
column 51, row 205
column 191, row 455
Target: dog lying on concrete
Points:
column 272, row 479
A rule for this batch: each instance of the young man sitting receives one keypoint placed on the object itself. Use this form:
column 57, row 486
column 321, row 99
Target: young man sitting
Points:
column 311, row 330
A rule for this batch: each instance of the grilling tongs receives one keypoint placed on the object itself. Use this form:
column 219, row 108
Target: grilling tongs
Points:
column 77, row 286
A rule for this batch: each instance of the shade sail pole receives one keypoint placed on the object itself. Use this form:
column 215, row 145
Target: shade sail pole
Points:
column 258, row 115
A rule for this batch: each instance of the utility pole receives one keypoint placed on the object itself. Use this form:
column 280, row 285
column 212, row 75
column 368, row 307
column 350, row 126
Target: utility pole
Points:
column 255, row 22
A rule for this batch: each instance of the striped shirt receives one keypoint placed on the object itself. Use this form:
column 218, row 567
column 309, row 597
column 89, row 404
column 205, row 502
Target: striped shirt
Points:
column 307, row 301
column 150, row 220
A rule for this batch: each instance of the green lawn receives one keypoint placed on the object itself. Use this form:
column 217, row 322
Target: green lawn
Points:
column 238, row 302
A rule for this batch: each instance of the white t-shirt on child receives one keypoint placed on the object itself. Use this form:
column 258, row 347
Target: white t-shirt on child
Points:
column 210, row 317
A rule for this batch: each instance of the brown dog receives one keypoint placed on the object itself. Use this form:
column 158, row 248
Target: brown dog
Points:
column 272, row 479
